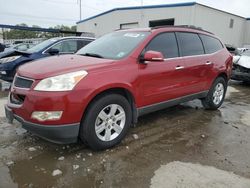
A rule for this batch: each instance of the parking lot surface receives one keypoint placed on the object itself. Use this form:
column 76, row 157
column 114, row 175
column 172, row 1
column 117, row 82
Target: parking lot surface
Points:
column 183, row 146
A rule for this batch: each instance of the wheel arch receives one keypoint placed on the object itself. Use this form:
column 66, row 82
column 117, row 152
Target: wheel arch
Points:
column 118, row 89
column 223, row 75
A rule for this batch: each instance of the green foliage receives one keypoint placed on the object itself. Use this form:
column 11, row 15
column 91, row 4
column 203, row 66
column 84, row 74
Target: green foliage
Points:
column 23, row 34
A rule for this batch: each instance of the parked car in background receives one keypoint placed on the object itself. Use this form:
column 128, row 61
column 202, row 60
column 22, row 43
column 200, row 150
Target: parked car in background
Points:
column 2, row 47
column 241, row 67
column 9, row 49
column 11, row 60
column 232, row 49
column 20, row 47
column 96, row 94
column 241, row 50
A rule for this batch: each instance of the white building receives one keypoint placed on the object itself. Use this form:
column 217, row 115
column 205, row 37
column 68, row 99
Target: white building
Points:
column 232, row 29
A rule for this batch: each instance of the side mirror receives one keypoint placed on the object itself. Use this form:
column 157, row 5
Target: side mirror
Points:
column 152, row 56
column 52, row 51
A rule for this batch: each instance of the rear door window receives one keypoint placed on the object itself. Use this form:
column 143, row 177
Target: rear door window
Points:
column 189, row 44
column 211, row 44
column 165, row 43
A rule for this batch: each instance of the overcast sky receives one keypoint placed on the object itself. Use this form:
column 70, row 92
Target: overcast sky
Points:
column 47, row 13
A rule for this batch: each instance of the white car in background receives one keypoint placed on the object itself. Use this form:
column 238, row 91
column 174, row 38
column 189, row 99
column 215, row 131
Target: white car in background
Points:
column 241, row 67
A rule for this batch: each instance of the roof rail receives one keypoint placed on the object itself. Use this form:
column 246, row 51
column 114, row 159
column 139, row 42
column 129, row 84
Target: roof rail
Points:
column 182, row 26
column 120, row 29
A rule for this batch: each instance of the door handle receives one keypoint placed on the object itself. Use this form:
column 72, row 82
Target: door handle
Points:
column 179, row 67
column 209, row 63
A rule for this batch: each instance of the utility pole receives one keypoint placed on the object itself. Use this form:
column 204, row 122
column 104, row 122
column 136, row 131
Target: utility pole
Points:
column 142, row 11
column 80, row 8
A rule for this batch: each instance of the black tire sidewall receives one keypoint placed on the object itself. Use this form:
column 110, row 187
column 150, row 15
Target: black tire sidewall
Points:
column 87, row 131
column 208, row 101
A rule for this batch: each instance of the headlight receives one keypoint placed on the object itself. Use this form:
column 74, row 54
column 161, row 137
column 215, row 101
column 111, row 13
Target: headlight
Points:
column 64, row 82
column 9, row 59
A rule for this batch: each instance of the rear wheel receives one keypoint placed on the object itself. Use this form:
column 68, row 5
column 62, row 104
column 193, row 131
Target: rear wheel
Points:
column 216, row 94
column 106, row 122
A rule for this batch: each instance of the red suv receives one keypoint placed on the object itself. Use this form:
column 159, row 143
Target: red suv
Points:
column 97, row 94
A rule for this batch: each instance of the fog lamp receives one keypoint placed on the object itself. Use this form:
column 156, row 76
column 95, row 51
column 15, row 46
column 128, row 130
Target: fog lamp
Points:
column 46, row 115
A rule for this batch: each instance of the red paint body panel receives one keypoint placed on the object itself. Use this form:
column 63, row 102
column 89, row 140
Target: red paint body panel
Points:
column 149, row 83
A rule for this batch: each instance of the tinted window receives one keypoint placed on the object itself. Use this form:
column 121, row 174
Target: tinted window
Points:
column 165, row 43
column 67, row 46
column 190, row 44
column 211, row 44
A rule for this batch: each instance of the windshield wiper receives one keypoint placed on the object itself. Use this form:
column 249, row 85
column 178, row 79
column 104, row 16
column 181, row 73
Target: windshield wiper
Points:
column 92, row 55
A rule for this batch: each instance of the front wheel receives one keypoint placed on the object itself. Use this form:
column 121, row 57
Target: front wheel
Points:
column 216, row 94
column 106, row 122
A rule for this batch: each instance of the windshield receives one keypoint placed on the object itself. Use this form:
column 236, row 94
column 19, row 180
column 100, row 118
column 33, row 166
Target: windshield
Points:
column 115, row 45
column 41, row 45
column 246, row 53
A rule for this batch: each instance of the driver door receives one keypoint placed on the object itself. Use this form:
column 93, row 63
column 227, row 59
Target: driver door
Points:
column 162, row 80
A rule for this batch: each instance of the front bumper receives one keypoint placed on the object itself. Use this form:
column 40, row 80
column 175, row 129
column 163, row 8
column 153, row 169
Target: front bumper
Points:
column 241, row 76
column 61, row 134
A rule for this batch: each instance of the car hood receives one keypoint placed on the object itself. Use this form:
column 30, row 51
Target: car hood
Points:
column 11, row 52
column 243, row 61
column 56, row 65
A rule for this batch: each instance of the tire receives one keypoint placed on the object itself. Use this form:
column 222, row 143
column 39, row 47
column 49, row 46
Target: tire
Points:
column 102, row 128
column 216, row 94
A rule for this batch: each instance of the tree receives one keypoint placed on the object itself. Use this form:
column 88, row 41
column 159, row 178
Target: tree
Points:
column 23, row 34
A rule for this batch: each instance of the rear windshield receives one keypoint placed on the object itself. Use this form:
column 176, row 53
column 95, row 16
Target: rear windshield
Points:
column 115, row 45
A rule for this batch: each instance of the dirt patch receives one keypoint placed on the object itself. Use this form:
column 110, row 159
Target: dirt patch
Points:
column 180, row 175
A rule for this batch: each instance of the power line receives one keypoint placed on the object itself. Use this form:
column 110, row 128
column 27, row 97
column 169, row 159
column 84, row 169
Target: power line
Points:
column 58, row 2
column 36, row 17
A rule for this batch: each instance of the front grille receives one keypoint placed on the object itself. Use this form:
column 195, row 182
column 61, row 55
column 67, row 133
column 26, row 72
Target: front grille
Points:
column 22, row 82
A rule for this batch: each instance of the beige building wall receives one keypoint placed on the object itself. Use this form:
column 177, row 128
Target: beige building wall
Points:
column 213, row 20
column 247, row 35
column 112, row 21
column 218, row 22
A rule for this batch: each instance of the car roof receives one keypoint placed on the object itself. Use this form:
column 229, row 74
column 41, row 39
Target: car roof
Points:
column 181, row 28
column 72, row 37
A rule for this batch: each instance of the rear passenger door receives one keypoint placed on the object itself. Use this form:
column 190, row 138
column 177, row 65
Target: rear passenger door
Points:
column 162, row 81
column 214, row 56
column 192, row 52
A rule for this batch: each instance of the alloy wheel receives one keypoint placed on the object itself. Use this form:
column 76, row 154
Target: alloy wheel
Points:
column 110, row 122
column 218, row 93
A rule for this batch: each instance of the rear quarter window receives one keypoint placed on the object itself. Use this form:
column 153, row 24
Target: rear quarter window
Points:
column 211, row 44
column 189, row 44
